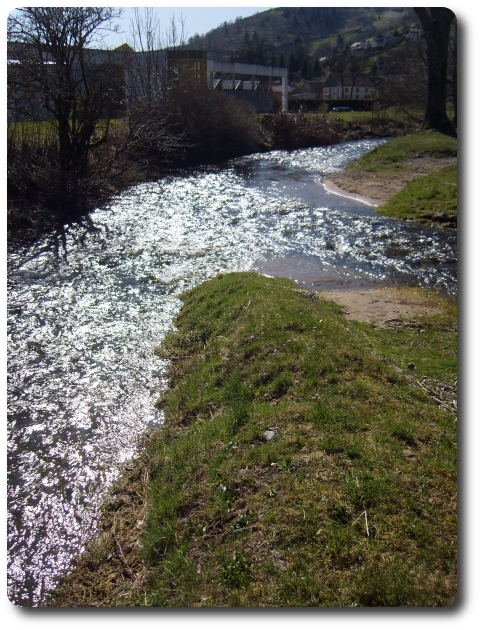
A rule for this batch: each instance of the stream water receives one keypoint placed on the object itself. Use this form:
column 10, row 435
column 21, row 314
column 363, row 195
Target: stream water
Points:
column 88, row 304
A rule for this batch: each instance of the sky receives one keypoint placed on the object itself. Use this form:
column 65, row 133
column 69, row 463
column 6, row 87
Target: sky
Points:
column 197, row 20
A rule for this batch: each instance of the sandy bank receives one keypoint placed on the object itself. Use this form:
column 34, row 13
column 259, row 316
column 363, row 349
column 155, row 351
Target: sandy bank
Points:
column 376, row 188
column 376, row 306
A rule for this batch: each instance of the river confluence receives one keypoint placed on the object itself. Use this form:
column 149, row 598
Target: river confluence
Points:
column 88, row 304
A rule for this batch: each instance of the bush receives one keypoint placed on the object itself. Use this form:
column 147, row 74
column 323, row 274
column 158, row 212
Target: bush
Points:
column 40, row 196
column 296, row 131
column 194, row 126
column 36, row 188
column 214, row 126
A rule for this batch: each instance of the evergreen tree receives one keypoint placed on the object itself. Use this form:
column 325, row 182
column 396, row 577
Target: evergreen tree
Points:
column 304, row 71
column 260, row 53
column 292, row 63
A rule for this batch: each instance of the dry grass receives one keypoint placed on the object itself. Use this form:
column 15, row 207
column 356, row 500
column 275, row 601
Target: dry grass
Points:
column 111, row 569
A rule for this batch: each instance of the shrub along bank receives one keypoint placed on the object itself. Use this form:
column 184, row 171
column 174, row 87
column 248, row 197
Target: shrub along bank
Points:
column 305, row 460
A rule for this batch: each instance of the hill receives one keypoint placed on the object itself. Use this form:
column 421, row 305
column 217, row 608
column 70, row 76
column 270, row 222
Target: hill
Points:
column 276, row 32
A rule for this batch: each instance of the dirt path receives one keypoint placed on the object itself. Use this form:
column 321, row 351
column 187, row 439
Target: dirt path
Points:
column 377, row 188
column 375, row 306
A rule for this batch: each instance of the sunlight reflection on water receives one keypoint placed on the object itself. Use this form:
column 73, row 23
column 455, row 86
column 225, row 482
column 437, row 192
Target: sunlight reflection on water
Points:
column 87, row 307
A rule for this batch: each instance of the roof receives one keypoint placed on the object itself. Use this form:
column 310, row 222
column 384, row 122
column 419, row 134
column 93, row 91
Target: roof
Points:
column 331, row 81
column 124, row 48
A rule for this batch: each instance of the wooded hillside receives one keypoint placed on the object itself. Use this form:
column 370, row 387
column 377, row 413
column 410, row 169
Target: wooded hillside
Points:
column 276, row 30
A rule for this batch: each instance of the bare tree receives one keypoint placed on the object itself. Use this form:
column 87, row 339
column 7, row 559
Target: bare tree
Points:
column 176, row 37
column 348, row 67
column 146, row 69
column 401, row 77
column 452, row 55
column 59, row 74
column 339, row 67
column 153, row 137
column 436, row 23
column 355, row 68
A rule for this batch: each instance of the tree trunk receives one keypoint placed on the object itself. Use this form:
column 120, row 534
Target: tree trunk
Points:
column 454, row 75
column 436, row 23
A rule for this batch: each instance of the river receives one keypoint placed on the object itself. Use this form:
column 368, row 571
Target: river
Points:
column 88, row 304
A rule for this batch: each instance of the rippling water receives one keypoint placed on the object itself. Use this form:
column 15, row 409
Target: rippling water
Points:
column 87, row 305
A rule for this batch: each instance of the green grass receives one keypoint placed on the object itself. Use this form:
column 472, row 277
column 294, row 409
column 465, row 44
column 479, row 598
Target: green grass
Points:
column 388, row 20
column 390, row 115
column 46, row 130
column 348, row 38
column 427, row 199
column 393, row 155
column 360, row 117
column 32, row 132
column 239, row 520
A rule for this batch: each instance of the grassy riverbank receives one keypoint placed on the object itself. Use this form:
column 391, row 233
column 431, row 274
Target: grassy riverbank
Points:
column 427, row 199
column 306, row 460
column 410, row 177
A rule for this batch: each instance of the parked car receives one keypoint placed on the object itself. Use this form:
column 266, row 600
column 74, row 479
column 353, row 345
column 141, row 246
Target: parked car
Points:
column 341, row 109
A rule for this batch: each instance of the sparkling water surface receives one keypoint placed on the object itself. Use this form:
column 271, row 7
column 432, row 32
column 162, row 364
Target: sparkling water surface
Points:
column 88, row 304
